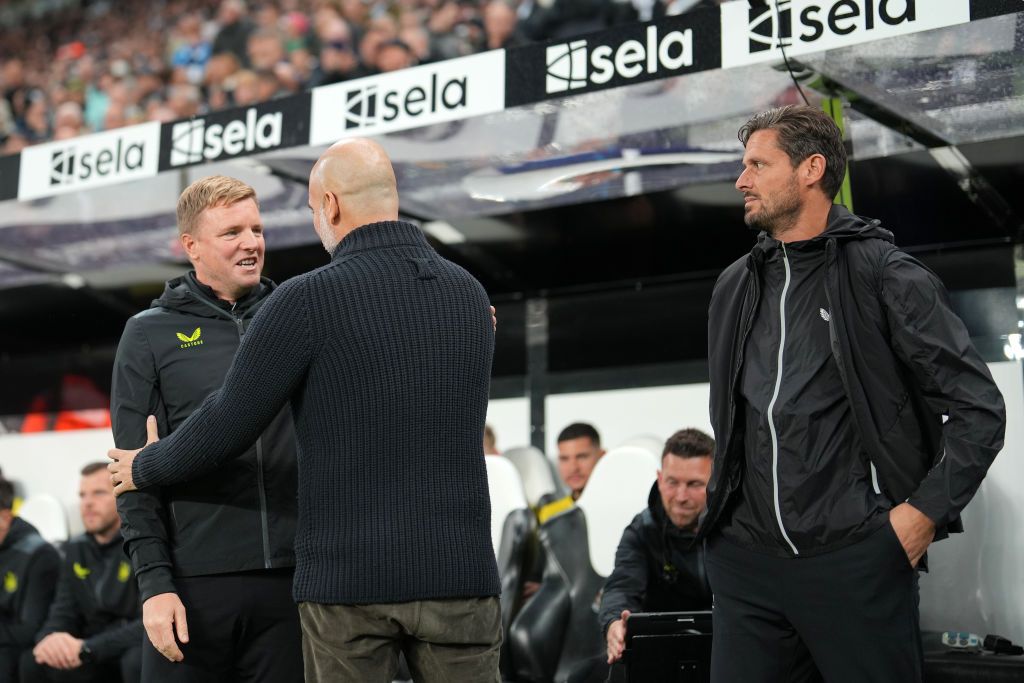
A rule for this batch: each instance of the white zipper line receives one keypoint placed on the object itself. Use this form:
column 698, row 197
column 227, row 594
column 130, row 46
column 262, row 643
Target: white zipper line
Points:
column 874, row 478
column 771, row 405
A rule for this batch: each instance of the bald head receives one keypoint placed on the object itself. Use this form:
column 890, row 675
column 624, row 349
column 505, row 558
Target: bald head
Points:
column 352, row 184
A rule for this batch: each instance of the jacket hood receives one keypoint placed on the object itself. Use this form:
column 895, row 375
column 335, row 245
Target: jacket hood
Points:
column 657, row 509
column 187, row 295
column 19, row 530
column 842, row 225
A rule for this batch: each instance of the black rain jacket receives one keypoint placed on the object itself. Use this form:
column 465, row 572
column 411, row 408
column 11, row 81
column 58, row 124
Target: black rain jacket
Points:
column 240, row 516
column 906, row 362
column 658, row 568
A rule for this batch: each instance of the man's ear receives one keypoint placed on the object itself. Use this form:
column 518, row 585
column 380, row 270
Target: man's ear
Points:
column 813, row 169
column 188, row 243
column 333, row 208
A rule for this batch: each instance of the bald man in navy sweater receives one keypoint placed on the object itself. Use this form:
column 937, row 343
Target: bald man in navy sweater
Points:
column 385, row 355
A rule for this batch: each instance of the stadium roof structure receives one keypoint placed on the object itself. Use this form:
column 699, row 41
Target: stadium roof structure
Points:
column 616, row 147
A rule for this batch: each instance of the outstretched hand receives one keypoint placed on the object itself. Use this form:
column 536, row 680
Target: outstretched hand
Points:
column 617, row 637
column 121, row 467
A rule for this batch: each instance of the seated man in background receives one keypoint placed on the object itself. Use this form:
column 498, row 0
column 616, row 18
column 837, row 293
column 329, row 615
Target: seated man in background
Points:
column 490, row 441
column 28, row 570
column 579, row 449
column 657, row 566
column 94, row 630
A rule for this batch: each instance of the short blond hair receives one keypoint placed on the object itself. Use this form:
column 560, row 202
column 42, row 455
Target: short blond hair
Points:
column 205, row 193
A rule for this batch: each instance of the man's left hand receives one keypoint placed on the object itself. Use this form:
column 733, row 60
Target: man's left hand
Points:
column 494, row 318
column 914, row 530
column 121, row 467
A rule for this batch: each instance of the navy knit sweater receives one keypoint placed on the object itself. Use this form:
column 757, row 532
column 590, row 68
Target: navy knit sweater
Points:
column 385, row 354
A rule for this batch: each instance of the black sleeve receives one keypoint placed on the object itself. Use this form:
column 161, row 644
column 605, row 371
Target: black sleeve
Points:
column 933, row 342
column 39, row 583
column 627, row 585
column 64, row 615
column 134, row 395
column 113, row 642
column 271, row 361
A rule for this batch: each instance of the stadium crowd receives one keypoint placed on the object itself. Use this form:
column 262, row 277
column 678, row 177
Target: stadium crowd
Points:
column 100, row 65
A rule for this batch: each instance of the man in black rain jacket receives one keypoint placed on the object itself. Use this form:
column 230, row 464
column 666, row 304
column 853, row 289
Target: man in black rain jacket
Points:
column 854, row 422
column 219, row 548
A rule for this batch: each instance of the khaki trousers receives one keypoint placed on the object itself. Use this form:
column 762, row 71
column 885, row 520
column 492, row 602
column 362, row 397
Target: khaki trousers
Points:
column 444, row 641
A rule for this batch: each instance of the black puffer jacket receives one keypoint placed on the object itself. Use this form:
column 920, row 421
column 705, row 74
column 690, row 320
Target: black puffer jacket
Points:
column 905, row 360
column 658, row 568
column 242, row 515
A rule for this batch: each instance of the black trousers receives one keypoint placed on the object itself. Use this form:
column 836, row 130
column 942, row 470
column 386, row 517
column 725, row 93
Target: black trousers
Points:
column 852, row 613
column 124, row 668
column 242, row 628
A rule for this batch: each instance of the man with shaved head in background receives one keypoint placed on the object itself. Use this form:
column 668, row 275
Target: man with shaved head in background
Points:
column 385, row 354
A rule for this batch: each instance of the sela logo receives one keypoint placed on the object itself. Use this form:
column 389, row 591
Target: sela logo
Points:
column 772, row 26
column 571, row 66
column 759, row 33
column 71, row 164
column 371, row 104
column 195, row 141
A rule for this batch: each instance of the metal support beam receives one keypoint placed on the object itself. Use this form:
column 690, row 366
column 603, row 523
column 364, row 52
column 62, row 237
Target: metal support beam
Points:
column 537, row 367
column 870, row 101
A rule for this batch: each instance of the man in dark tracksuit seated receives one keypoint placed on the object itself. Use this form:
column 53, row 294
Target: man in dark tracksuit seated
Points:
column 28, row 576
column 658, row 568
column 93, row 633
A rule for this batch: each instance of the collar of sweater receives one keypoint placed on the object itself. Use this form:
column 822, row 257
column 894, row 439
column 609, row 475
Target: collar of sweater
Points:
column 377, row 235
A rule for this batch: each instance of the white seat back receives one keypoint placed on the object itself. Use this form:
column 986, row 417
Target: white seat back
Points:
column 616, row 492
column 46, row 514
column 506, row 489
column 535, row 471
column 646, row 441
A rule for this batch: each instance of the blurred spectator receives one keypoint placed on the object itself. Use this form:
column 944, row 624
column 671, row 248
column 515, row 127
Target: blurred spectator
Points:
column 418, row 40
column 194, row 52
column 69, row 118
column 369, row 46
column 35, row 125
column 234, row 31
column 553, row 19
column 245, row 88
column 579, row 449
column 265, row 50
column 394, row 55
column 183, row 100
column 500, row 22
column 296, row 26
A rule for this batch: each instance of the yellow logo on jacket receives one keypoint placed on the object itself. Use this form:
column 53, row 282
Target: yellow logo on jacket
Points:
column 10, row 582
column 80, row 571
column 193, row 339
column 124, row 572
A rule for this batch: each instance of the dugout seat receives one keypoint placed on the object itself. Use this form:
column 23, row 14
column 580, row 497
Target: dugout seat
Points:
column 46, row 514
column 556, row 636
column 536, row 471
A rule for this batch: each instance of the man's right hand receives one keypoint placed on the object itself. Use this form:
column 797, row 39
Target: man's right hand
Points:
column 164, row 615
column 58, row 651
column 617, row 637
